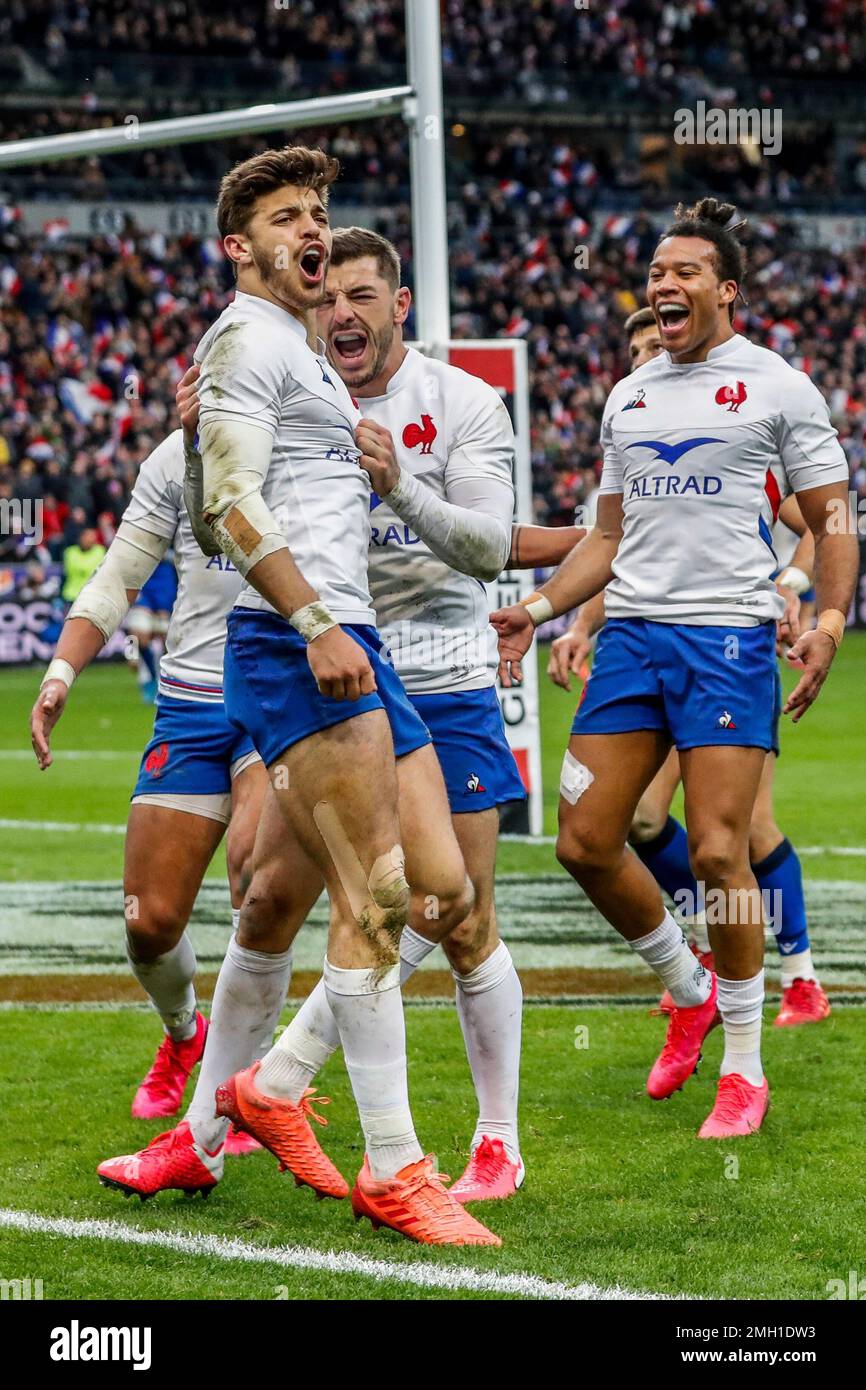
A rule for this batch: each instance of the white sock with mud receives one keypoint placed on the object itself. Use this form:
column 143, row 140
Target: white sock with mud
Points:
column 665, row 951
column 741, row 1004
column 248, row 999
column 490, row 1008
column 168, row 980
column 305, row 1046
column 368, row 1008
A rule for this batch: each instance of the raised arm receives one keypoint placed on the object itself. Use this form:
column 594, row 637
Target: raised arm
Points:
column 92, row 620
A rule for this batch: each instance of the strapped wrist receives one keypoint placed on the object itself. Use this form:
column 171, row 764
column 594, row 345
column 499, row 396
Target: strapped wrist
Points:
column 832, row 621
column 58, row 670
column 312, row 620
column 539, row 608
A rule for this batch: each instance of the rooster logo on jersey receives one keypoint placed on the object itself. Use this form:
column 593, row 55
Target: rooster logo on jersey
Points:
column 732, row 395
column 156, row 760
column 422, row 434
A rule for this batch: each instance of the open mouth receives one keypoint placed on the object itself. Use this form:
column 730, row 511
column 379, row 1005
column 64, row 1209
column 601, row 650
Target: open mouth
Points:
column 349, row 346
column 672, row 316
column 312, row 265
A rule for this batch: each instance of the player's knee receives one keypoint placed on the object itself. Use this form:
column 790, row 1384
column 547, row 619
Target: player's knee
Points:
column 389, row 890
column 718, row 857
column 472, row 940
column 647, row 823
column 268, row 912
column 584, row 852
column 154, row 925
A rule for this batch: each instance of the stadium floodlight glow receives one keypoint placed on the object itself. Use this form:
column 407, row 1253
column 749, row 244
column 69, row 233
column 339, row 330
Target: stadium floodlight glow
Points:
column 215, row 125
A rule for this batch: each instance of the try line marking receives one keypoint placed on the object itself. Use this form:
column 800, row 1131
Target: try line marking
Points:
column 444, row 1277
column 103, row 828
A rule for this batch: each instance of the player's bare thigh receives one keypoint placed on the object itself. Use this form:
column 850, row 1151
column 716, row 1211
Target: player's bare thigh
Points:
column 166, row 854
column 441, row 891
column 654, row 806
column 285, row 883
column 248, row 794
column 601, row 784
column 338, row 790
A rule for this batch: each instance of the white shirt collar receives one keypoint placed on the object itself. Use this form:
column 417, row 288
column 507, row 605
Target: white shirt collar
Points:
column 276, row 311
column 716, row 354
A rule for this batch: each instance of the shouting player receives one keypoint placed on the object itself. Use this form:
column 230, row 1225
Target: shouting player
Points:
column 687, row 655
column 657, row 837
column 283, row 497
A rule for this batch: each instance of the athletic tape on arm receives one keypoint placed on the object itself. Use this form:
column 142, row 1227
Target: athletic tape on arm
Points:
column 132, row 557
column 236, row 456
column 471, row 534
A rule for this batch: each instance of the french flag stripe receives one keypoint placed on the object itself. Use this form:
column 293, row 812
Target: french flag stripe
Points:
column 771, row 487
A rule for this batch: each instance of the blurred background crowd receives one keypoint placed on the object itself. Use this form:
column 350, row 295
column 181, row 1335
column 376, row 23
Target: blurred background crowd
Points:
column 95, row 330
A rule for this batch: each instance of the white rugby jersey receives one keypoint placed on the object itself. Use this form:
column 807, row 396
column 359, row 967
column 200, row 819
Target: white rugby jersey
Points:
column 191, row 667
column 701, row 453
column 256, row 367
column 448, row 427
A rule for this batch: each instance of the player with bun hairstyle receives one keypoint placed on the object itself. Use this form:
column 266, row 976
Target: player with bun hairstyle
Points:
column 699, row 446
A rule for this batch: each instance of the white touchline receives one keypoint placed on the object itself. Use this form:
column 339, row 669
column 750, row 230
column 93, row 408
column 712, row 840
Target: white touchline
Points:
column 445, row 1277
column 49, row 826
column 854, row 850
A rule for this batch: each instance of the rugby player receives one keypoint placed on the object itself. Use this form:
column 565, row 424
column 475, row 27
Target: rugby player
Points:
column 657, row 837
column 198, row 774
column 283, row 497
column 687, row 655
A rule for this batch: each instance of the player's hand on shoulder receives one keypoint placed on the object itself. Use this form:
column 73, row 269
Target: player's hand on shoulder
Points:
column 47, row 709
column 813, row 654
column 567, row 656
column 186, row 399
column 378, row 458
column 515, row 631
column 340, row 665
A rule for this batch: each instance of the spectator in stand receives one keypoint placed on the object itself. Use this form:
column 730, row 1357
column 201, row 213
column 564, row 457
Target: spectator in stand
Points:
column 79, row 563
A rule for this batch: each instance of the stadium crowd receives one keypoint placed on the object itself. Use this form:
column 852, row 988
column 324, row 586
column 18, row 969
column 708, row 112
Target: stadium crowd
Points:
column 94, row 335
column 95, row 332
column 495, row 45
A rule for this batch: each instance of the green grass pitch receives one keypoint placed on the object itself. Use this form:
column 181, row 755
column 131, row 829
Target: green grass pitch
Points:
column 619, row 1193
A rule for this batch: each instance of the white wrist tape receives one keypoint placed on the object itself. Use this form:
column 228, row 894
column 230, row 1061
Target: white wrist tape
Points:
column 58, row 670
column 132, row 557
column 539, row 608
column 795, row 578
column 312, row 620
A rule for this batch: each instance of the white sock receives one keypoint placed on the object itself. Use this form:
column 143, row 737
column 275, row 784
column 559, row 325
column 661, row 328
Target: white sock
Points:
column 301, row 1050
column 248, row 1000
column 490, row 1009
column 798, row 967
column 305, row 1046
column 169, row 982
column 665, row 951
column 368, row 1008
column 413, row 949
column 740, row 1004
column 697, row 929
